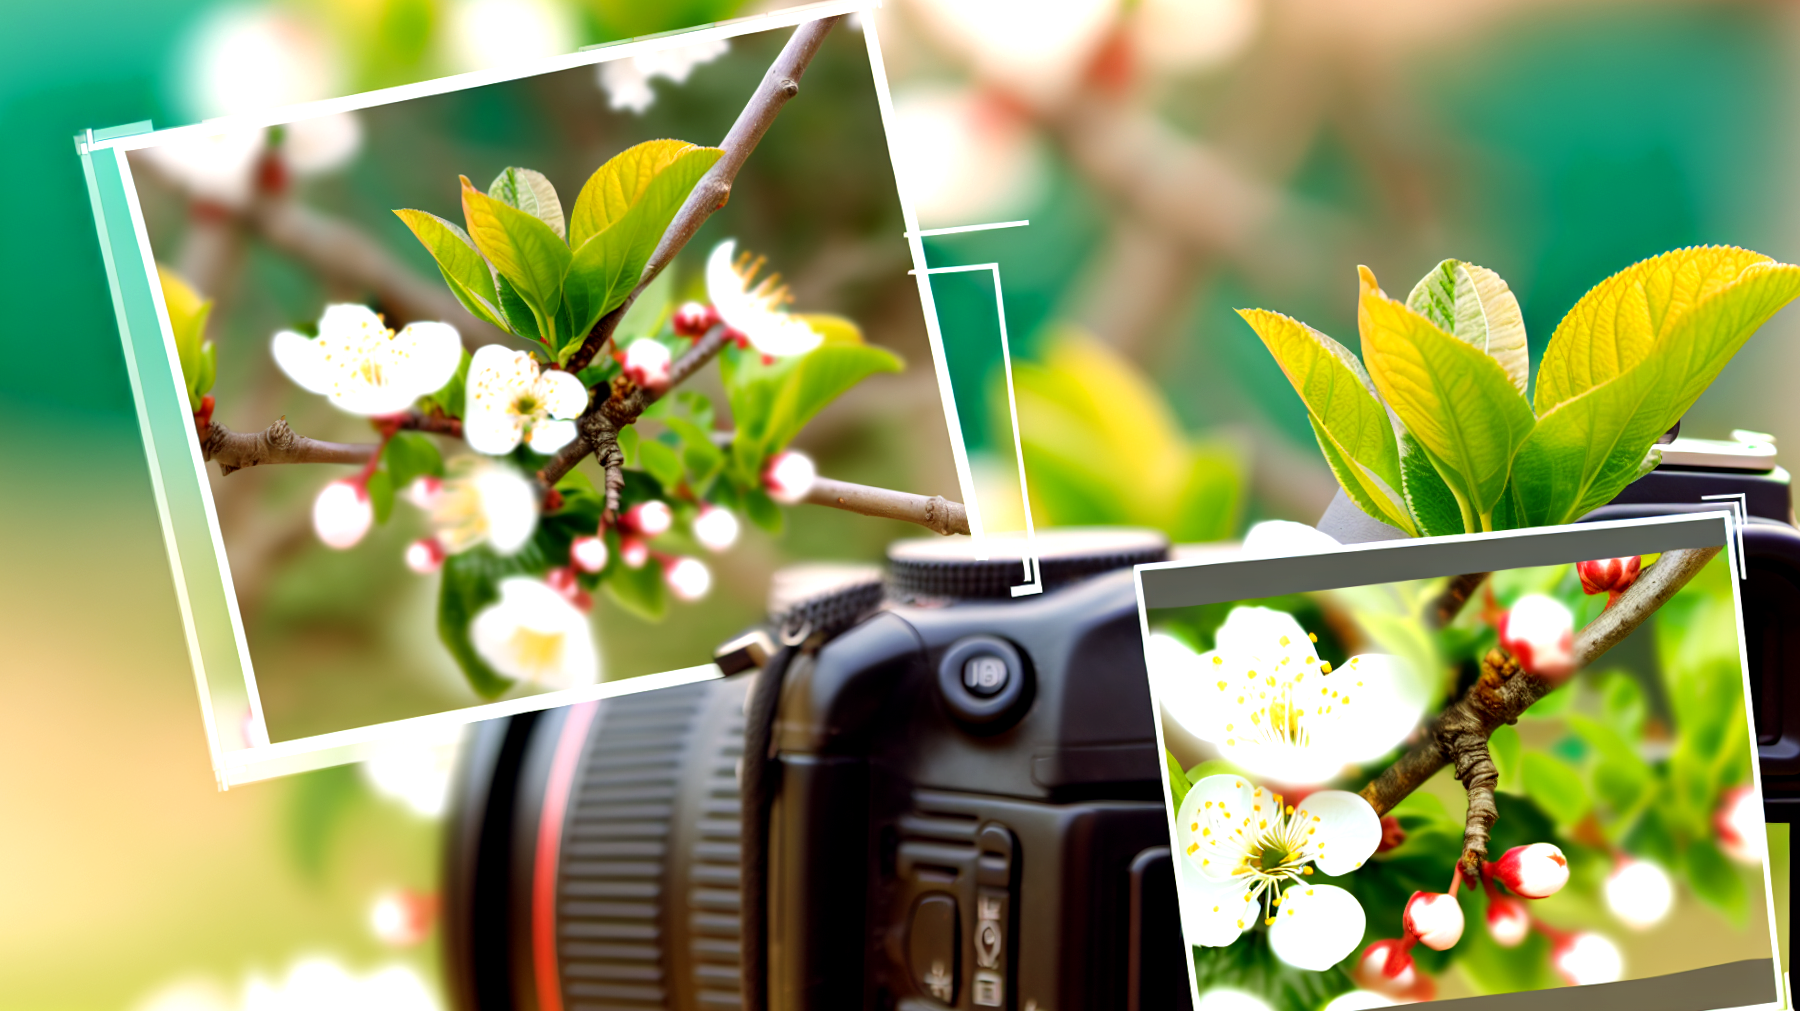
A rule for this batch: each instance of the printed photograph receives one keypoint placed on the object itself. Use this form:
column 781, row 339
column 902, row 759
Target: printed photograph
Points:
column 1466, row 786
column 535, row 384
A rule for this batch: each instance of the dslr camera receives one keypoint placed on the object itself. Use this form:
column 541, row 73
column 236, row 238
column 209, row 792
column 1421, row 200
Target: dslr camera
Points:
column 913, row 793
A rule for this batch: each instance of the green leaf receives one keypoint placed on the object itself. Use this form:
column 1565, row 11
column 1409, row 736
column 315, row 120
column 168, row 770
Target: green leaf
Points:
column 628, row 444
column 1249, row 964
column 651, row 310
column 640, row 591
column 821, row 376
column 469, row 582
column 1555, row 786
column 318, row 803
column 467, row 273
column 1633, row 356
column 1456, row 400
column 1622, row 702
column 623, row 182
column 763, row 511
column 1351, row 424
column 526, row 253
column 1428, row 498
column 1715, row 880
column 1178, row 781
column 381, row 494
column 1476, row 307
column 609, row 261
column 661, row 461
column 410, row 455
column 1508, row 754
column 1620, row 778
column 531, row 192
column 188, row 313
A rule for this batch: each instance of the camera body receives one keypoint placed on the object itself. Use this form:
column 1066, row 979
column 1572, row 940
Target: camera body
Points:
column 960, row 800
column 966, row 812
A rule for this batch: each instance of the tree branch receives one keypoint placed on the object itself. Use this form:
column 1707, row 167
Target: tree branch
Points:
column 1504, row 691
column 779, row 84
column 280, row 444
column 932, row 512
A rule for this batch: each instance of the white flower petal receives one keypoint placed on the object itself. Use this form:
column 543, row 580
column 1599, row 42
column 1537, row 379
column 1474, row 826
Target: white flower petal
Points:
column 1316, row 926
column 1213, row 913
column 724, row 288
column 509, row 504
column 304, row 362
column 1343, row 830
column 1369, row 711
column 549, row 436
column 1282, row 538
column 533, row 634
column 562, row 393
column 754, row 312
column 1206, row 827
column 498, row 377
column 1272, row 637
column 436, row 349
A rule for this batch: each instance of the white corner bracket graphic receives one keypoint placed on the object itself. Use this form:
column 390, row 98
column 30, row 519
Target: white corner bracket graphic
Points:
column 1740, row 514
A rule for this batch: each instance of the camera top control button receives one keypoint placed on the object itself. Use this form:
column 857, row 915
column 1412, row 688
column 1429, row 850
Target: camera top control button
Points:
column 985, row 675
column 982, row 680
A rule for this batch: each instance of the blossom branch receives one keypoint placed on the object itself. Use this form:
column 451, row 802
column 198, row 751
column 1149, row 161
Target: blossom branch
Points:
column 1504, row 691
column 933, row 512
column 779, row 84
column 279, row 443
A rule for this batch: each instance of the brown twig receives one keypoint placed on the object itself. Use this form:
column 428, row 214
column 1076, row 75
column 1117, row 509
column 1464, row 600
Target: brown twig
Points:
column 1503, row 692
column 1456, row 593
column 779, row 84
column 933, row 512
column 280, row 444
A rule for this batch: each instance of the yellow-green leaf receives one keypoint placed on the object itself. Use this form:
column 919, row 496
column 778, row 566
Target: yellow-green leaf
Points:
column 607, row 265
column 1455, row 399
column 470, row 278
column 1614, row 326
column 1474, row 305
column 188, row 313
column 618, row 185
column 1352, row 425
column 530, row 191
column 523, row 249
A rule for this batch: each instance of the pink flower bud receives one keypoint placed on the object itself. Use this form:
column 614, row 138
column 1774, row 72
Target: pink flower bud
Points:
column 1540, row 633
column 1435, row 918
column 562, row 580
column 425, row 556
column 1392, row 834
column 651, row 519
column 647, row 363
column 688, row 578
column 1537, row 871
column 633, row 552
column 342, row 513
column 1611, row 576
column 693, row 319
column 403, row 918
column 715, row 528
column 1587, row 958
column 1507, row 921
column 588, row 553
column 423, row 491
column 1739, row 823
column 1386, row 967
column 788, row 476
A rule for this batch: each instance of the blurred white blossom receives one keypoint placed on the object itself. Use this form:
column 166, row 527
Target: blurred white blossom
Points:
column 533, row 634
column 483, row 501
column 511, row 399
column 754, row 308
column 1227, row 999
column 342, row 513
column 627, row 80
column 220, row 168
column 1189, row 35
column 1639, row 893
column 492, row 33
column 1037, row 49
column 310, row 984
column 365, row 368
column 415, row 770
column 252, row 58
column 964, row 158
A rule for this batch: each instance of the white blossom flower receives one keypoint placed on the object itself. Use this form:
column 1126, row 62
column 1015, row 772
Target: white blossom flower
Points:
column 627, row 80
column 1587, row 958
column 1275, row 707
column 510, row 398
column 492, row 33
column 1222, row 998
column 402, row 918
column 1639, row 893
column 588, row 553
column 483, row 501
column 425, row 556
column 1537, row 871
column 688, row 578
column 1242, row 847
column 533, row 634
column 323, row 983
column 1359, row 1000
column 1739, row 823
column 416, row 770
column 788, row 476
column 716, row 528
column 250, row 58
column 1282, row 538
column 755, row 312
column 652, row 518
column 1435, row 918
column 342, row 513
column 365, row 368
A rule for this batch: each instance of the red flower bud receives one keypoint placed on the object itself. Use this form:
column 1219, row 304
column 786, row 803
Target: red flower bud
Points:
column 693, row 319
column 562, row 580
column 1611, row 576
column 1507, row 921
column 1537, row 871
column 1540, row 633
column 1392, row 835
column 652, row 518
column 1386, row 967
column 425, row 556
column 647, row 363
column 1435, row 918
column 633, row 552
column 588, row 553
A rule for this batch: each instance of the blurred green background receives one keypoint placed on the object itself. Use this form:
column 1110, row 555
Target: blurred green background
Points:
column 1177, row 159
